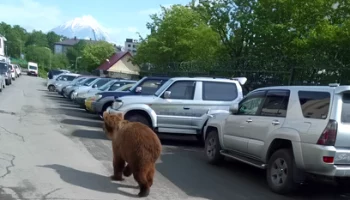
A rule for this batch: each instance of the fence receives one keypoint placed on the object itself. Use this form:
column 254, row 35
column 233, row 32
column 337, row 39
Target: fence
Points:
column 258, row 76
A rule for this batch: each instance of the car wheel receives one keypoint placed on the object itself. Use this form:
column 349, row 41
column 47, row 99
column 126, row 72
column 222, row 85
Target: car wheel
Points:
column 280, row 172
column 139, row 118
column 71, row 95
column 52, row 88
column 213, row 148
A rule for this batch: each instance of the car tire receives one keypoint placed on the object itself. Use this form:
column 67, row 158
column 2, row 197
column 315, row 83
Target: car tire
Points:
column 52, row 88
column 139, row 118
column 70, row 96
column 213, row 148
column 280, row 172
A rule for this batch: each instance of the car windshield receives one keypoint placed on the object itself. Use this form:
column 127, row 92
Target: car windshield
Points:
column 101, row 82
column 107, row 85
column 162, row 88
column 89, row 81
column 33, row 67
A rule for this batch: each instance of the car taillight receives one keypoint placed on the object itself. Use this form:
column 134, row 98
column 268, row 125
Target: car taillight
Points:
column 329, row 134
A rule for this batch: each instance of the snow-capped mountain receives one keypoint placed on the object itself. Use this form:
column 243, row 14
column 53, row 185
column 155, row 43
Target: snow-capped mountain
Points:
column 84, row 27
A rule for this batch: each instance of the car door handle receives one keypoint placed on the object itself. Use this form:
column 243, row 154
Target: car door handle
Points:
column 186, row 108
column 249, row 120
column 275, row 122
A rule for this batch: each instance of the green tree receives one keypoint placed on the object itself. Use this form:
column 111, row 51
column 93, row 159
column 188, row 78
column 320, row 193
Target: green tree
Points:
column 179, row 34
column 75, row 52
column 52, row 38
column 40, row 55
column 59, row 61
column 96, row 53
column 37, row 38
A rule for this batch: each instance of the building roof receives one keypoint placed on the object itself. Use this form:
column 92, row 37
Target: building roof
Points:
column 113, row 59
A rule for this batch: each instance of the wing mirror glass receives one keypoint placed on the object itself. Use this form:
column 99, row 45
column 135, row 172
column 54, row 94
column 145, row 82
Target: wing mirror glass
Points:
column 167, row 94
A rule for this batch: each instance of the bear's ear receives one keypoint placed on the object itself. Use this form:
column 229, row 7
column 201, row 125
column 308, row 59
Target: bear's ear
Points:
column 105, row 114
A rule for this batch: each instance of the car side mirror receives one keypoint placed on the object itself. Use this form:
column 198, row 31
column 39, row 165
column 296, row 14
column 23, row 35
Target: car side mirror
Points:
column 138, row 89
column 65, row 79
column 94, row 86
column 167, row 94
column 234, row 108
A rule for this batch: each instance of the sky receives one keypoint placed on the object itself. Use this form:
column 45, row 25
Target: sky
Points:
column 121, row 19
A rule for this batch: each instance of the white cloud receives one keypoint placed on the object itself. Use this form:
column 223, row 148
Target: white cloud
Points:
column 30, row 15
column 132, row 29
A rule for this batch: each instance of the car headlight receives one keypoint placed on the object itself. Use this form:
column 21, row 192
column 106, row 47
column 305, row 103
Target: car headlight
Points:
column 117, row 104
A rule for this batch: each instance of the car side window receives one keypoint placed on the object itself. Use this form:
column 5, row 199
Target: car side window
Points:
column 219, row 91
column 314, row 104
column 70, row 78
column 252, row 103
column 276, row 103
column 150, row 87
column 182, row 90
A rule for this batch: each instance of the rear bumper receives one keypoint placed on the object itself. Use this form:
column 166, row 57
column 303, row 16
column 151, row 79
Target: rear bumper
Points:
column 313, row 160
column 32, row 73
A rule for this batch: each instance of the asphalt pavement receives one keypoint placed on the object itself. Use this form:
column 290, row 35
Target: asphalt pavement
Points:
column 51, row 149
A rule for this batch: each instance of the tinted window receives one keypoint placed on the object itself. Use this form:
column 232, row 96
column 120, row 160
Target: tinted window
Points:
column 88, row 81
column 150, row 87
column 345, row 112
column 70, row 78
column 216, row 91
column 314, row 104
column 251, row 104
column 101, row 82
column 276, row 103
column 116, row 86
column 182, row 90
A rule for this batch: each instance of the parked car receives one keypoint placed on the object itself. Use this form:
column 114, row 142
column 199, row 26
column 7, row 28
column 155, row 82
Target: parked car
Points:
column 145, row 86
column 54, row 73
column 289, row 131
column 3, row 71
column 182, row 104
column 91, row 99
column 111, row 84
column 64, row 77
column 33, row 69
column 68, row 91
column 18, row 71
column 62, row 85
column 13, row 71
column 6, row 72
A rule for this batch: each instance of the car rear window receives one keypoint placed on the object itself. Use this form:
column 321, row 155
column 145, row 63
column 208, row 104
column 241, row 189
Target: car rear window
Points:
column 314, row 105
column 219, row 91
column 345, row 112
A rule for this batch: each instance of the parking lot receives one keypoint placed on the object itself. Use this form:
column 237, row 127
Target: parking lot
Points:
column 52, row 149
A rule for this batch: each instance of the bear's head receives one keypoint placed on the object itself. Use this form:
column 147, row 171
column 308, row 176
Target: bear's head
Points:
column 111, row 123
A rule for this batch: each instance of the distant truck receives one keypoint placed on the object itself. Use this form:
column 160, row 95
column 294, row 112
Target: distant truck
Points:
column 32, row 69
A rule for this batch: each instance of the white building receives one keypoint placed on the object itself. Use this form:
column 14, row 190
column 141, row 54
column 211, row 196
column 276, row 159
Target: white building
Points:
column 131, row 46
column 2, row 45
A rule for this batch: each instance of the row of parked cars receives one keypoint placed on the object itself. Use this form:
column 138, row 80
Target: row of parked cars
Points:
column 293, row 132
column 8, row 73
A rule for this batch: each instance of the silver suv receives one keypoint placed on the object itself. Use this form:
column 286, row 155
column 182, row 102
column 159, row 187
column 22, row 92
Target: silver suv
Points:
column 290, row 131
column 182, row 104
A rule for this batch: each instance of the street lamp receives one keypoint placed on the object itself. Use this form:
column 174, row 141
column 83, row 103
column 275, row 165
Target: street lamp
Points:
column 76, row 62
column 49, row 55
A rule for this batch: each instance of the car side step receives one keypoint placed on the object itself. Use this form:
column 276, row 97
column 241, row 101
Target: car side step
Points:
column 243, row 159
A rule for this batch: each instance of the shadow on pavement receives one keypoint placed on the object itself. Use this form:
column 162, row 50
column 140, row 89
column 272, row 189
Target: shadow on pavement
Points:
column 194, row 176
column 90, row 134
column 89, row 180
column 76, row 122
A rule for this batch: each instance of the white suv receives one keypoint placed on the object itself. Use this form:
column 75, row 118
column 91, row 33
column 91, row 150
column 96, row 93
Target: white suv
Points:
column 182, row 104
column 291, row 131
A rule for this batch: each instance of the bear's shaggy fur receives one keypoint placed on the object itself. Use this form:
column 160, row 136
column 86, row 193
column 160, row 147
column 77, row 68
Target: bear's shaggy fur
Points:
column 137, row 145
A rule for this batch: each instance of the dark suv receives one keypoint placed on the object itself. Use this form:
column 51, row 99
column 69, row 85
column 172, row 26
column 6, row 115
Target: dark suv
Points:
column 5, row 70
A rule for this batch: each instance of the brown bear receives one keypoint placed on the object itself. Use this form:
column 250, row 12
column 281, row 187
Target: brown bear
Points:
column 137, row 145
